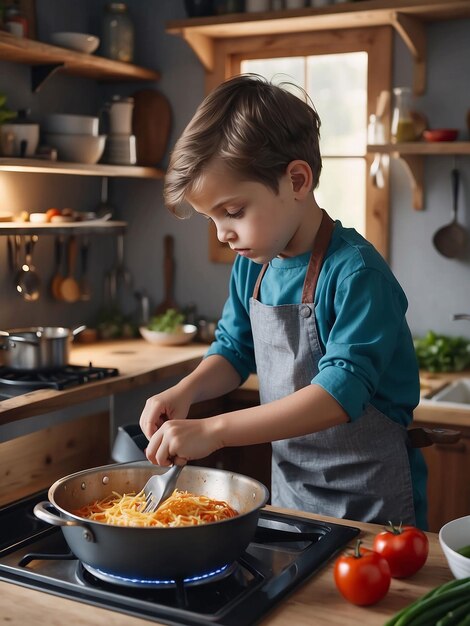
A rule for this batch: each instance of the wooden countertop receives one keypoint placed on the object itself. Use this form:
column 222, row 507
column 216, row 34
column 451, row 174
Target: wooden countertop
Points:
column 138, row 362
column 318, row 597
column 141, row 363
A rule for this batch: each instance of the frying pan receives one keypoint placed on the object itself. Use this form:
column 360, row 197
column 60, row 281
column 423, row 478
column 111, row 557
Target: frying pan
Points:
column 154, row 553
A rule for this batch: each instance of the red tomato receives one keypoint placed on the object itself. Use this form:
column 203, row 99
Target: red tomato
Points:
column 363, row 577
column 405, row 548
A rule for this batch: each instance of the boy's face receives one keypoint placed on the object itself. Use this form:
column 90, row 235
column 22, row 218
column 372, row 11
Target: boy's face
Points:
column 255, row 221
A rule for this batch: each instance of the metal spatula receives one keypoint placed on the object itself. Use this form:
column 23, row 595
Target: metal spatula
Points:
column 160, row 487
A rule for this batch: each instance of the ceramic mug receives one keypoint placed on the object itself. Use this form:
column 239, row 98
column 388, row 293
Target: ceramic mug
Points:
column 18, row 140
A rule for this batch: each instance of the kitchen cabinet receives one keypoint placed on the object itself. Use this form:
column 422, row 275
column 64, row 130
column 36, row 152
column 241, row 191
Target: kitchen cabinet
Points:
column 448, row 472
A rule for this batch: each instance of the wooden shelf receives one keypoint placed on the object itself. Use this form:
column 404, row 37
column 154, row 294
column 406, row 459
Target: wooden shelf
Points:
column 411, row 154
column 406, row 16
column 79, row 169
column 46, row 59
column 437, row 148
column 95, row 227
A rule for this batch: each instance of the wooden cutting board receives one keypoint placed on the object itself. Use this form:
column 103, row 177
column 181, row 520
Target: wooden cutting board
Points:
column 151, row 124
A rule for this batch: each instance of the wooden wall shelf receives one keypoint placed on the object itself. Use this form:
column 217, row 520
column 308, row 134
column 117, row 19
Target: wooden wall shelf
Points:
column 46, row 59
column 79, row 169
column 411, row 155
column 406, row 16
column 92, row 227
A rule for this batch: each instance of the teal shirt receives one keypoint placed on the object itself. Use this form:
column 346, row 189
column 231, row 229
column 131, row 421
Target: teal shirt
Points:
column 368, row 353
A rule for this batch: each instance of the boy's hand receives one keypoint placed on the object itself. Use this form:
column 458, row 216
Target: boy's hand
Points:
column 179, row 441
column 168, row 405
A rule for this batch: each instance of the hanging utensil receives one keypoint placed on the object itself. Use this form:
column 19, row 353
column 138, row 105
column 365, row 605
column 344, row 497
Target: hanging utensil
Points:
column 69, row 288
column 58, row 277
column 27, row 281
column 451, row 240
column 168, row 276
column 84, row 284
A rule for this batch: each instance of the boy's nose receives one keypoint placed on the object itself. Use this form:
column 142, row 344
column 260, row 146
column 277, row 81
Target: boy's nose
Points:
column 224, row 235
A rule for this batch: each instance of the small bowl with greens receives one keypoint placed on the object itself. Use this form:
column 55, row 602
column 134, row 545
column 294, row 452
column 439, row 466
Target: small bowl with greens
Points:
column 168, row 329
column 454, row 538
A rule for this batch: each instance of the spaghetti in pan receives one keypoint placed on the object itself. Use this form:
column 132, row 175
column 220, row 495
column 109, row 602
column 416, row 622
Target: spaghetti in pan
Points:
column 180, row 509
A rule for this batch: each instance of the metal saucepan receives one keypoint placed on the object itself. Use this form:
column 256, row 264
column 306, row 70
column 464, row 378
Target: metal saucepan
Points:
column 154, row 553
column 38, row 347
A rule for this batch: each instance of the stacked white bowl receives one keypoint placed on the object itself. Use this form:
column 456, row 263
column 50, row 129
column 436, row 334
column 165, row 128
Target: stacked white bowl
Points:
column 75, row 137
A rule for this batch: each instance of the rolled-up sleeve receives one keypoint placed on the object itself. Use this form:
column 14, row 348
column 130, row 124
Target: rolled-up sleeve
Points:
column 233, row 337
column 369, row 318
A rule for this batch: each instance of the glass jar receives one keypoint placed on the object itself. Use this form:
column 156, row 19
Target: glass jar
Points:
column 117, row 37
column 402, row 122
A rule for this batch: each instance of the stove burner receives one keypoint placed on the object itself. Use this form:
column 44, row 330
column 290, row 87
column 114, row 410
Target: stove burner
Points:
column 114, row 579
column 61, row 378
column 286, row 550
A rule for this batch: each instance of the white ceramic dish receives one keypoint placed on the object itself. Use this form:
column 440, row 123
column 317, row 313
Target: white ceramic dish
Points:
column 65, row 124
column 453, row 536
column 80, row 42
column 185, row 335
column 19, row 133
column 77, row 148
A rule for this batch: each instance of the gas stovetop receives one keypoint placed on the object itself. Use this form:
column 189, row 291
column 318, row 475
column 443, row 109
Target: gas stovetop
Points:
column 285, row 552
column 14, row 383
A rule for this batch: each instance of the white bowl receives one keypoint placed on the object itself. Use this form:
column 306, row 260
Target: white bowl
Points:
column 81, row 42
column 77, row 148
column 63, row 123
column 184, row 335
column 453, row 536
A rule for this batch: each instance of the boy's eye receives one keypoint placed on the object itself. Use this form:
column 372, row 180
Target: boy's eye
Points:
column 235, row 215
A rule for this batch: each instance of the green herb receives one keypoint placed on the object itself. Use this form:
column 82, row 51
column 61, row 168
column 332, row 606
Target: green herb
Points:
column 441, row 353
column 168, row 322
column 465, row 551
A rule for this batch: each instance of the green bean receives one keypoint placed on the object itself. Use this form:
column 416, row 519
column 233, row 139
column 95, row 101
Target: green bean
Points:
column 453, row 617
column 460, row 591
column 433, row 593
column 431, row 615
column 465, row 621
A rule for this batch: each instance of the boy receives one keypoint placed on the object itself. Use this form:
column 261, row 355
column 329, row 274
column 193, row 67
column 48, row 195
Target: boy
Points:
column 313, row 309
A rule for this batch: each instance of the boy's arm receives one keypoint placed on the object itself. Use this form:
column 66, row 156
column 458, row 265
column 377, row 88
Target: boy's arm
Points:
column 305, row 411
column 213, row 377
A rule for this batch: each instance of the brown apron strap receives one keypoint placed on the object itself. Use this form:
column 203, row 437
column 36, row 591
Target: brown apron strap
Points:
column 322, row 241
column 258, row 281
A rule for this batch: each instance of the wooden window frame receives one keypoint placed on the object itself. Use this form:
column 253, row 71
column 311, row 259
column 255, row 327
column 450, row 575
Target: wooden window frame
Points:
column 377, row 43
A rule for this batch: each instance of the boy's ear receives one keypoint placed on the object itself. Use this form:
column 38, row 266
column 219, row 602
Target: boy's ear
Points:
column 301, row 176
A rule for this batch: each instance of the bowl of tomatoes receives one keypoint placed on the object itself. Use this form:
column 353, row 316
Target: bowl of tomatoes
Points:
column 454, row 538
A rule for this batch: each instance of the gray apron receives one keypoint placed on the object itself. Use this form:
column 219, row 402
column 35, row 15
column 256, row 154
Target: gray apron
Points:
column 359, row 470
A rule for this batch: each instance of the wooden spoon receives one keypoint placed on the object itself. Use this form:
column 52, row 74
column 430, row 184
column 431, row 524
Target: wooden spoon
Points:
column 69, row 288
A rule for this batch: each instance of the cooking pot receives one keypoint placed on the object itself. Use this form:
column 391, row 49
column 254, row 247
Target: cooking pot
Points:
column 153, row 552
column 38, row 347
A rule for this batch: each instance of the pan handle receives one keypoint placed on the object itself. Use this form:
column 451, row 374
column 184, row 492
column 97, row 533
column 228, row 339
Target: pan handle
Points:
column 43, row 512
column 5, row 337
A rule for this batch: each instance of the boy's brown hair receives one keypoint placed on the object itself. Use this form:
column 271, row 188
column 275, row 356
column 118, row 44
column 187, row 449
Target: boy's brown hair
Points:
column 257, row 128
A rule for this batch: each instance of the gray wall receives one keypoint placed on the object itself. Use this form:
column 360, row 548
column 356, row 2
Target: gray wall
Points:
column 436, row 287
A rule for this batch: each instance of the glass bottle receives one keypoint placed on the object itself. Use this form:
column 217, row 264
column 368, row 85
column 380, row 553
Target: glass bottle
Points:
column 402, row 122
column 117, row 38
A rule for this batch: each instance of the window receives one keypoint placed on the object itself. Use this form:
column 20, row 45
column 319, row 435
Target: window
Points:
column 343, row 72
column 337, row 86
